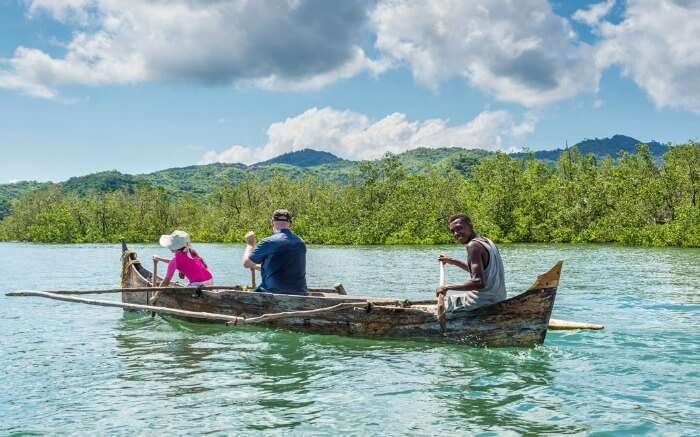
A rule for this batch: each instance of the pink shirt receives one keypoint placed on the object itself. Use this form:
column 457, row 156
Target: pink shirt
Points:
column 190, row 266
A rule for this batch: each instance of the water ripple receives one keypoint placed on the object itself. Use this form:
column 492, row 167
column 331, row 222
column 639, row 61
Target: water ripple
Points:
column 75, row 369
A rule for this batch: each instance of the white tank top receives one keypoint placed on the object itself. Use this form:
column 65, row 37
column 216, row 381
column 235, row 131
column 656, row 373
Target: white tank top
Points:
column 494, row 279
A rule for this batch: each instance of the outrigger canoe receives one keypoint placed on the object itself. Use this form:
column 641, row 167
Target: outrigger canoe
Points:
column 519, row 321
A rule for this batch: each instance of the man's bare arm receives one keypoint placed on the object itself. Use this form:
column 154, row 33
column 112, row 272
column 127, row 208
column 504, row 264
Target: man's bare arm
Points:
column 455, row 262
column 250, row 245
column 476, row 281
column 247, row 263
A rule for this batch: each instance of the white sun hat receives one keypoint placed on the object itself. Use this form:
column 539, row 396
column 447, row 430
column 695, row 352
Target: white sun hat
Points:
column 176, row 240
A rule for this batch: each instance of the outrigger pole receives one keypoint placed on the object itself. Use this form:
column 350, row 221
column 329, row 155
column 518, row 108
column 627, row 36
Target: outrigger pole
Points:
column 231, row 320
column 64, row 295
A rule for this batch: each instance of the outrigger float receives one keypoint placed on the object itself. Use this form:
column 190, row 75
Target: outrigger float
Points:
column 520, row 321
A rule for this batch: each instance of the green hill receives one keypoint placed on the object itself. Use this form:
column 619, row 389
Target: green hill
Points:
column 422, row 159
column 202, row 179
column 196, row 179
column 103, row 182
column 602, row 147
column 302, row 158
column 618, row 143
column 10, row 191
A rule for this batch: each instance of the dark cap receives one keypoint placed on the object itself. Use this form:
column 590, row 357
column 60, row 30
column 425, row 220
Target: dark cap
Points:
column 282, row 215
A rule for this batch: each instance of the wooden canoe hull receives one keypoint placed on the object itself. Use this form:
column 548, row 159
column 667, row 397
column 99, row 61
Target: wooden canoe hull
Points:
column 519, row 321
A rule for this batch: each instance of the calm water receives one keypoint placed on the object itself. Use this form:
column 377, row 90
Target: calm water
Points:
column 70, row 368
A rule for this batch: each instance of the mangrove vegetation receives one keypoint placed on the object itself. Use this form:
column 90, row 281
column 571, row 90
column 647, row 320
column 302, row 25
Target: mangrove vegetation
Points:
column 633, row 199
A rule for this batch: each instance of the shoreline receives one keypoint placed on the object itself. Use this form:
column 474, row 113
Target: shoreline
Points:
column 379, row 245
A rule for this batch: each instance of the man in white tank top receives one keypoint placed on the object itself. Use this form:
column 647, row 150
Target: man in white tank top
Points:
column 486, row 283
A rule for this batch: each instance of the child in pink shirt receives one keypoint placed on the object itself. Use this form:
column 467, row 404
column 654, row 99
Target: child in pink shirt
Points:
column 186, row 260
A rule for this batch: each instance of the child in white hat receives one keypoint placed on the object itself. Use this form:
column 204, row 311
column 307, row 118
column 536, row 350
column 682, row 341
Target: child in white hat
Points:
column 185, row 260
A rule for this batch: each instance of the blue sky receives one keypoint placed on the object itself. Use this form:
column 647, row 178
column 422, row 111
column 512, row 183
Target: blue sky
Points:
column 137, row 86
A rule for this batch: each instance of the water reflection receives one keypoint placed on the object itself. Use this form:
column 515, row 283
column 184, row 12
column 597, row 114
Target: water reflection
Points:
column 190, row 359
column 76, row 368
column 284, row 369
column 152, row 350
column 508, row 387
column 277, row 379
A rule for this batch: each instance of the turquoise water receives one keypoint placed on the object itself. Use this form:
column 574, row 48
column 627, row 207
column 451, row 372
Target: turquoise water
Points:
column 70, row 368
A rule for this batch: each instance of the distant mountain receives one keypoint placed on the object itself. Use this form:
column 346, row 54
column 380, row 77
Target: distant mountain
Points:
column 444, row 158
column 602, row 147
column 10, row 191
column 202, row 179
column 196, row 179
column 103, row 182
column 302, row 158
column 618, row 143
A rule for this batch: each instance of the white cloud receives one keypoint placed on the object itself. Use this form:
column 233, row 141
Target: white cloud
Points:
column 658, row 46
column 517, row 51
column 526, row 127
column 36, row 73
column 531, row 58
column 234, row 154
column 355, row 65
column 355, row 136
column 594, row 13
column 64, row 10
column 297, row 44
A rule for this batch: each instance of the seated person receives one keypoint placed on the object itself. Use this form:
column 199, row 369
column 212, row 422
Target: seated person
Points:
column 486, row 283
column 185, row 260
column 281, row 257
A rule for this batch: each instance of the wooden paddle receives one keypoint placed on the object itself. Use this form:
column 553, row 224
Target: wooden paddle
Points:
column 250, row 240
column 440, row 312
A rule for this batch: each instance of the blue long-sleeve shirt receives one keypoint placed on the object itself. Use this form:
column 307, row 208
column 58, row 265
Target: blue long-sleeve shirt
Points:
column 282, row 257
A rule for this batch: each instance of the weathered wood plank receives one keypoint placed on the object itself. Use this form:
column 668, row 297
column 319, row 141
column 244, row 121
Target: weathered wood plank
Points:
column 548, row 279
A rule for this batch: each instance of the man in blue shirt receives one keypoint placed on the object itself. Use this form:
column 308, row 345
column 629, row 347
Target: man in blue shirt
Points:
column 281, row 257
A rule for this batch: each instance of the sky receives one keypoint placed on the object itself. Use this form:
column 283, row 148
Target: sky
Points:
column 143, row 85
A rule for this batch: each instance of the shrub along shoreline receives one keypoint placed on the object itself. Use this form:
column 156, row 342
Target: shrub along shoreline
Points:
column 633, row 200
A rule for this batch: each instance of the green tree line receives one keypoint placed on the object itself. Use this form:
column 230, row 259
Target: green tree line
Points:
column 632, row 200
